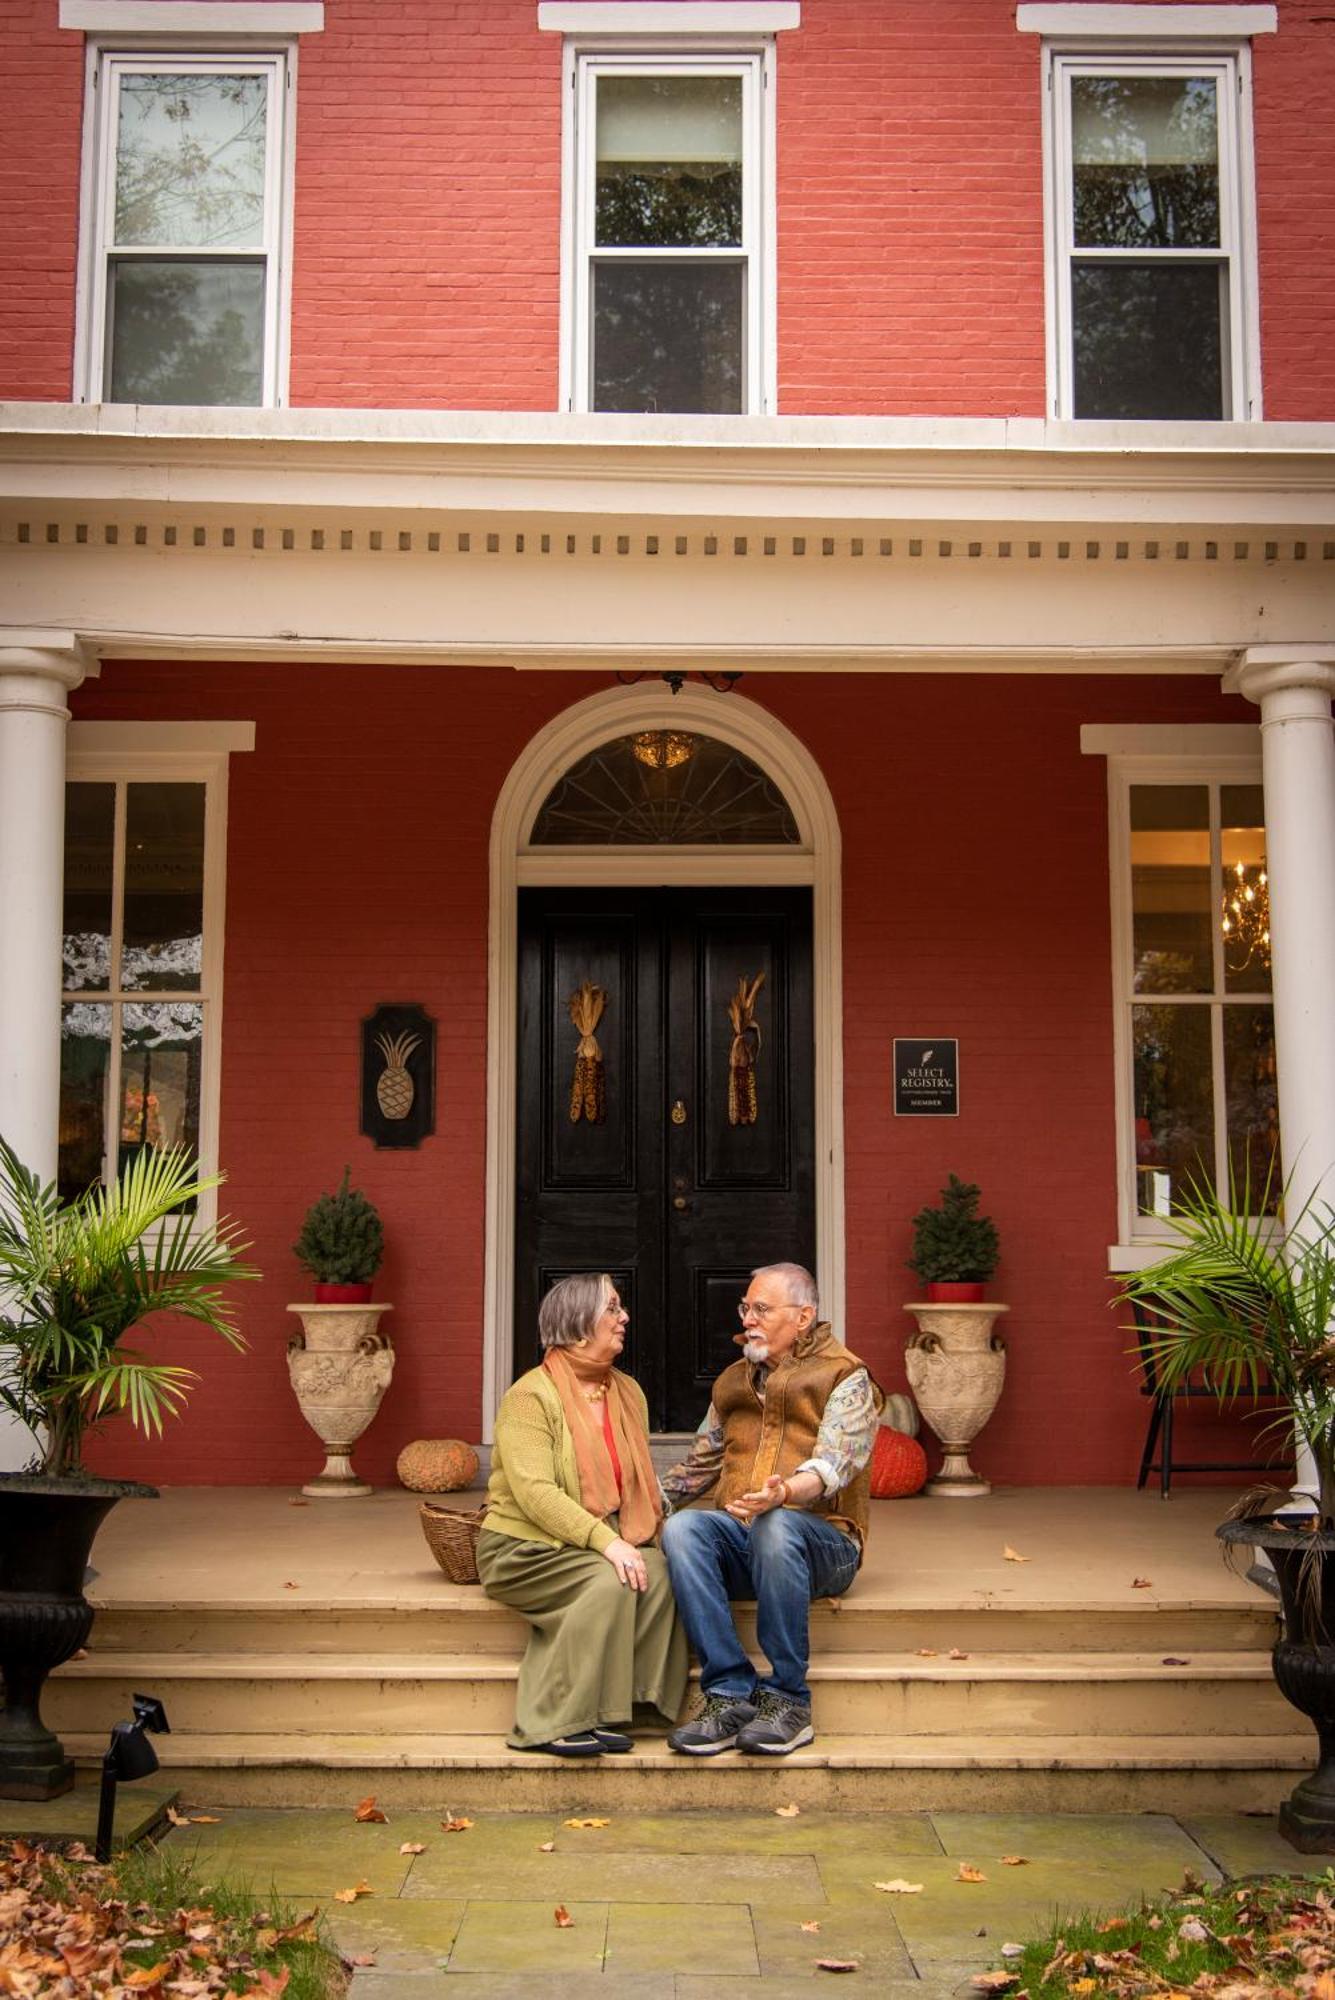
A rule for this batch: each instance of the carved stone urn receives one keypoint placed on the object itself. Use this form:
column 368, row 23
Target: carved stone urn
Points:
column 956, row 1366
column 340, row 1364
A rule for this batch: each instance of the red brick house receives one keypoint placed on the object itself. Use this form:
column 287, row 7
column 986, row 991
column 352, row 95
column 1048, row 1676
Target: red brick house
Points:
column 399, row 392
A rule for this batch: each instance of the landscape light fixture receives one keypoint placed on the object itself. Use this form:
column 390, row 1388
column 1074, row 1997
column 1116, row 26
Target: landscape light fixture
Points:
column 129, row 1755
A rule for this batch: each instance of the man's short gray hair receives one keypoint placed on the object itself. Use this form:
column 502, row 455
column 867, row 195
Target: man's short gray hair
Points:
column 572, row 1308
column 801, row 1285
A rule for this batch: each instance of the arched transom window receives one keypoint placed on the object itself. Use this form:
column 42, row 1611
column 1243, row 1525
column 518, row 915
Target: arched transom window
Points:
column 664, row 787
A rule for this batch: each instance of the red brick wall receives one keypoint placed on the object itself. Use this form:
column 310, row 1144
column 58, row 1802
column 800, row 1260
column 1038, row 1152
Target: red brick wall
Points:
column 975, row 903
column 427, row 230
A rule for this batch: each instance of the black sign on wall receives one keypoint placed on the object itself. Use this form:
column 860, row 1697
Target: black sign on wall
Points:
column 398, row 1074
column 927, row 1076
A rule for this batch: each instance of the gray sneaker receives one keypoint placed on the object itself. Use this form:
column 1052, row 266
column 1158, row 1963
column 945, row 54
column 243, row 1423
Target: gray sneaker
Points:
column 716, row 1725
column 781, row 1725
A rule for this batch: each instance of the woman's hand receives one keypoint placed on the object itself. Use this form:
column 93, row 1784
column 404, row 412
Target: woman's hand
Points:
column 628, row 1562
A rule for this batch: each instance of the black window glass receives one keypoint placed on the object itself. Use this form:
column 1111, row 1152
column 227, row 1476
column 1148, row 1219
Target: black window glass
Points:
column 668, row 336
column 1148, row 340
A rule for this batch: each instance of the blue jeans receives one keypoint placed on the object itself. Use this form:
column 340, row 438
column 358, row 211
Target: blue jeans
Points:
column 783, row 1560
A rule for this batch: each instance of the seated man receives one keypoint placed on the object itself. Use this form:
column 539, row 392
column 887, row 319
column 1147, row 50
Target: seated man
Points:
column 786, row 1443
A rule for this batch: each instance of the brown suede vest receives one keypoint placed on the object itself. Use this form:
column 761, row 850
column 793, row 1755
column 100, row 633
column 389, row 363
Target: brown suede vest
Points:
column 774, row 1432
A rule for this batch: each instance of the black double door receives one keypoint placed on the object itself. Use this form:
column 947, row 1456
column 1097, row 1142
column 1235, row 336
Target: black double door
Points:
column 681, row 1181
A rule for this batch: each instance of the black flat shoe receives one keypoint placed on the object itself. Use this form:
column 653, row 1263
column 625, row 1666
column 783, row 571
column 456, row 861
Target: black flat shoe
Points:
column 585, row 1744
column 613, row 1741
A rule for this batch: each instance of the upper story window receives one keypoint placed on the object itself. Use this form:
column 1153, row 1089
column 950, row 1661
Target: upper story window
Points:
column 187, row 208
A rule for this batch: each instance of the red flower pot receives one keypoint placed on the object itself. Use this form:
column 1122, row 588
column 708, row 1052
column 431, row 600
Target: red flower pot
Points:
column 960, row 1292
column 342, row 1295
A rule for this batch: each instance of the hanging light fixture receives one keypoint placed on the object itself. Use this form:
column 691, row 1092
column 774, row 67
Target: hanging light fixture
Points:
column 1245, row 916
column 663, row 749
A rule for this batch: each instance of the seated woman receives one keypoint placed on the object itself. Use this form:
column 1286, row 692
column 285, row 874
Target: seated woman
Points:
column 573, row 1508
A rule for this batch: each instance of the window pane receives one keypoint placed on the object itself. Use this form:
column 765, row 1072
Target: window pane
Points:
column 668, row 337
column 1174, row 1104
column 186, row 333
column 85, row 1058
column 1145, row 153
column 90, row 820
column 1253, row 1103
column 669, row 160
column 161, row 1048
column 163, row 948
column 190, row 160
column 1147, row 340
column 1246, row 897
column 662, row 787
column 1170, row 889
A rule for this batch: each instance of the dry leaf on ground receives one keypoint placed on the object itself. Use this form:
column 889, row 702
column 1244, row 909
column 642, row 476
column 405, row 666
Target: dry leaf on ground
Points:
column 351, row 1895
column 1010, row 1555
column 1015, row 1860
column 1113, row 1924
column 993, row 1982
column 205, row 1819
column 300, row 1927
column 143, row 1975
column 1138, row 1583
column 836, row 1965
column 547, row 1847
column 968, row 1873
column 292, row 1586
column 369, row 1813
column 177, row 1818
column 361, row 1958
column 564, row 1920
column 927, row 1652
column 899, row 1887
column 456, row 1825
column 1172, row 1661
column 1192, row 1931
column 956, row 1654
column 811, row 1927
column 297, row 1501
column 587, row 1822
column 786, row 1812
column 413, row 1847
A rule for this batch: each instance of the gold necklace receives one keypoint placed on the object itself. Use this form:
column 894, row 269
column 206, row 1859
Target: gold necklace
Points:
column 598, row 1393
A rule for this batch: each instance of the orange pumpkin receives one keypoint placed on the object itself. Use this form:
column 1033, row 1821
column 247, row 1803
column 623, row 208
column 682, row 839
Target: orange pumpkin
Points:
column 898, row 1465
column 437, row 1465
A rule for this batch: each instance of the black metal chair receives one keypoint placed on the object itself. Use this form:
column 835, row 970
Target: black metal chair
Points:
column 1162, row 1402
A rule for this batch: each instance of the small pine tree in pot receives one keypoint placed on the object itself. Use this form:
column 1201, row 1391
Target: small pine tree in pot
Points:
column 342, row 1243
column 955, row 1249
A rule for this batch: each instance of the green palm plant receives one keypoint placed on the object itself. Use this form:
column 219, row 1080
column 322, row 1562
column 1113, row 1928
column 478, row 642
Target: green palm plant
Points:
column 1250, row 1304
column 76, row 1276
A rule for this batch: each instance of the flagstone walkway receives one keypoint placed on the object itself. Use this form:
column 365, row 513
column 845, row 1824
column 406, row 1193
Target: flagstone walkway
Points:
column 696, row 1906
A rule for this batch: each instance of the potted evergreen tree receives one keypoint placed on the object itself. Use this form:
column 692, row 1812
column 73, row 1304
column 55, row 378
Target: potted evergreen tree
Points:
column 1246, row 1302
column 955, row 1360
column 340, row 1363
column 75, row 1278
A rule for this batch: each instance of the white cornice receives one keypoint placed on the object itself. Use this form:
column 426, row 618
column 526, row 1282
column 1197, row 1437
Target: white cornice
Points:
column 668, row 20
column 139, row 18
column 1142, row 25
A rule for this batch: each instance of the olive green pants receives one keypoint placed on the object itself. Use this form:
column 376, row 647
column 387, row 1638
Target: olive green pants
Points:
column 596, row 1648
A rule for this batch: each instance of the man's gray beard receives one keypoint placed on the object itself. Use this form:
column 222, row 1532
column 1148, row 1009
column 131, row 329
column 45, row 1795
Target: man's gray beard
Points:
column 756, row 1350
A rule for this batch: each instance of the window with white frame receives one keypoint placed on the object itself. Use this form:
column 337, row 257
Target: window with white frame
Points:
column 669, row 214
column 1152, row 232
column 1195, row 1029
column 140, row 1028
column 187, row 197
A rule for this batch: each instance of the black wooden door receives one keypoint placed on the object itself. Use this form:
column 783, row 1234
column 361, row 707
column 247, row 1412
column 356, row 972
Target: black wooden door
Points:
column 674, row 1190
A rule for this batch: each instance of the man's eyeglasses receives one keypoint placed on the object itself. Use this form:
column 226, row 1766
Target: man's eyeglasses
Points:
column 758, row 1309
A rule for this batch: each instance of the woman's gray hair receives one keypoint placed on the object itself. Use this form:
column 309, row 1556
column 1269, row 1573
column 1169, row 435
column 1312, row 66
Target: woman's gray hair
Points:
column 572, row 1308
column 801, row 1285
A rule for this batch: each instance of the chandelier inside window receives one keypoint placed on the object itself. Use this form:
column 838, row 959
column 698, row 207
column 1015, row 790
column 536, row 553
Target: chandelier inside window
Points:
column 663, row 749
column 1245, row 916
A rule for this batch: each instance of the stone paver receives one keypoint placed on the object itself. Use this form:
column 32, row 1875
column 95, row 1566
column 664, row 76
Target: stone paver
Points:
column 677, row 1907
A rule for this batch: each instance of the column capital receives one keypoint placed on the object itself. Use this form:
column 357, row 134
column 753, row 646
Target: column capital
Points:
column 39, row 666
column 1278, row 669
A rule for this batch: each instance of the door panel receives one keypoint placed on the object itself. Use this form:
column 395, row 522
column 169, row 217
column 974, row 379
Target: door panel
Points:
column 666, row 1193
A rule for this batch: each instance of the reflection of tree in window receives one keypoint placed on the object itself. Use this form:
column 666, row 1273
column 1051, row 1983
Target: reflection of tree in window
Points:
column 676, row 205
column 1146, row 162
column 1147, row 341
column 668, row 337
column 187, row 333
column 190, row 160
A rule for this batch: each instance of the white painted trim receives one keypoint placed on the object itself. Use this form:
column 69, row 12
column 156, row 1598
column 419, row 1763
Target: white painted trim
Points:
column 193, row 17
column 1170, row 739
column 735, row 720
column 668, row 21
column 1141, row 24
column 159, row 739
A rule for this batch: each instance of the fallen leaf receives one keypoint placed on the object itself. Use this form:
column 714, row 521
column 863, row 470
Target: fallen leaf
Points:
column 564, row 1920
column 956, row 1654
column 301, row 1927
column 811, row 1927
column 1325, row 1987
column 927, row 1652
column 369, row 1813
column 1154, row 1923
column 292, row 1586
column 1138, row 1583
column 1015, row 1860
column 296, row 1501
column 836, row 1965
column 899, row 1887
column 361, row 1958
column 462, row 1825
column 413, row 1847
column 1012, row 1951
column 992, row 1982
column 81, row 1654
column 273, row 1983
column 587, row 1822
column 967, row 1873
column 547, row 1847
column 147, row 1975
column 351, row 1895
column 1192, row 1931
column 205, row 1819
column 1113, row 1924
column 177, row 1818
column 1171, row 1662
column 266, row 1939
column 1084, row 1985
column 1010, row 1555
column 786, row 1812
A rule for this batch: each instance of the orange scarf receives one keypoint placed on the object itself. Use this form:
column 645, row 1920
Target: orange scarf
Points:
column 639, row 1501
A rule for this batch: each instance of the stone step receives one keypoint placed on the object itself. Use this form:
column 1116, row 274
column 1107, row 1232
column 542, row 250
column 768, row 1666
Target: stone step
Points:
column 1033, row 1695
column 453, row 1773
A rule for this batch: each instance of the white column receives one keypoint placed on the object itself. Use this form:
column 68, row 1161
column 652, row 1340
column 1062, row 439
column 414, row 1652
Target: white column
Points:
column 35, row 677
column 1293, row 686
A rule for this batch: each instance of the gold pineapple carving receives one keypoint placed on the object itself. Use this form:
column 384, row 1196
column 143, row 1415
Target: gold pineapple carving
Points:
column 394, row 1088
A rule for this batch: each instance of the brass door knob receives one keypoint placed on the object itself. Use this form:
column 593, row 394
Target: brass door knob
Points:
column 680, row 1202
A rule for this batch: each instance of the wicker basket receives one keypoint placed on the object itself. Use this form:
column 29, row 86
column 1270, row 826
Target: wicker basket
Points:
column 451, row 1537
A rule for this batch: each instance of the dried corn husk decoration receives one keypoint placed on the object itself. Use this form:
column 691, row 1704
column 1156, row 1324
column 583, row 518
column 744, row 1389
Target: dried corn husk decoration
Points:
column 588, row 1093
column 394, row 1087
column 742, row 1058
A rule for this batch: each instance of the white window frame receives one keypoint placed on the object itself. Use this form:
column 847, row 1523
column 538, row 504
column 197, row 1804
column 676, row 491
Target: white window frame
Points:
column 1229, row 62
column 753, row 62
column 122, row 754
column 107, row 64
column 1141, row 1237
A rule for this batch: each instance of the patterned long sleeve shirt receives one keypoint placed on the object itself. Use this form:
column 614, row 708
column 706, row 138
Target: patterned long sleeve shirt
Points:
column 843, row 1444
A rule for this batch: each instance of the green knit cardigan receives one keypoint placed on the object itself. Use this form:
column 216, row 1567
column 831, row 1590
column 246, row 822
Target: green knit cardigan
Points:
column 533, row 1493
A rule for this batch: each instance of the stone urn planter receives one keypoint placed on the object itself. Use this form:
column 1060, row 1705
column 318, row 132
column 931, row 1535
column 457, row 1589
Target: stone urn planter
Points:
column 340, row 1365
column 956, row 1365
column 47, row 1525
